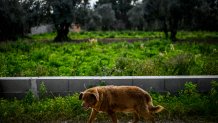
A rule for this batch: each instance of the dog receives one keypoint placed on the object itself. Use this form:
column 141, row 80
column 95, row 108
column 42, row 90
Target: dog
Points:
column 112, row 99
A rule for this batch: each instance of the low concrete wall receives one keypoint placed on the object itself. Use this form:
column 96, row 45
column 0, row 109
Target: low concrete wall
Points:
column 41, row 29
column 11, row 87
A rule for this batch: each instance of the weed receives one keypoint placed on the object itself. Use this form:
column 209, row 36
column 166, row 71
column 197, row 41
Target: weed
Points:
column 42, row 90
column 212, row 107
column 29, row 97
column 190, row 89
column 180, row 64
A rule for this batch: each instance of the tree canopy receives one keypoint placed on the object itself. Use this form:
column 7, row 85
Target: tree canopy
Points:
column 18, row 16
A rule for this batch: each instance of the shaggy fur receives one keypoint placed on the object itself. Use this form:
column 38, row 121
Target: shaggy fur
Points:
column 112, row 99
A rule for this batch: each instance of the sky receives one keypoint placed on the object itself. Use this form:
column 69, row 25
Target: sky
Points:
column 92, row 2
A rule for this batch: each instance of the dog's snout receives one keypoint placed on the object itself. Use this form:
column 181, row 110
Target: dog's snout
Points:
column 82, row 104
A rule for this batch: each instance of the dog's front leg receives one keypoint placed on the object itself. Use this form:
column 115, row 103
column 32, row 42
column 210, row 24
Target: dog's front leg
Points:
column 113, row 116
column 92, row 116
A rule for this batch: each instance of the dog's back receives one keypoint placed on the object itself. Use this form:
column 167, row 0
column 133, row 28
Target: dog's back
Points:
column 124, row 98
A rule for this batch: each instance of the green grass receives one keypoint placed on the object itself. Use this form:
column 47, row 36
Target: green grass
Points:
column 58, row 108
column 39, row 57
column 127, row 34
column 197, row 35
column 115, row 34
column 101, row 34
column 187, row 105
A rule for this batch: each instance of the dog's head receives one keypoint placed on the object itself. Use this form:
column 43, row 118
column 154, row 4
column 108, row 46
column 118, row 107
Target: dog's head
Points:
column 89, row 99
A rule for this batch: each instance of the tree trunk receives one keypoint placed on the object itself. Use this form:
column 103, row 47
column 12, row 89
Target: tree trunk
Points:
column 173, row 28
column 165, row 28
column 173, row 35
column 62, row 32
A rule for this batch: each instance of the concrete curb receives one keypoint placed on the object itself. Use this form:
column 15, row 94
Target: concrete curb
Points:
column 11, row 87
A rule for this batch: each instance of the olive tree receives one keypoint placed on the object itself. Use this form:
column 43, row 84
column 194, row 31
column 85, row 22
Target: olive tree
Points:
column 107, row 15
column 63, row 14
column 136, row 17
column 18, row 16
column 12, row 21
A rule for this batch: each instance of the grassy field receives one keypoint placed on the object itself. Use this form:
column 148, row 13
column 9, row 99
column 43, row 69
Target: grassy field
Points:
column 194, row 54
column 187, row 106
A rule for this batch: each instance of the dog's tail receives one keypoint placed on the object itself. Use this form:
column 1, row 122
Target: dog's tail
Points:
column 152, row 108
column 156, row 109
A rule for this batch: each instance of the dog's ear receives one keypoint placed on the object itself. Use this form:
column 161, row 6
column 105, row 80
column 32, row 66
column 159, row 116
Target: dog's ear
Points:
column 80, row 95
column 96, row 94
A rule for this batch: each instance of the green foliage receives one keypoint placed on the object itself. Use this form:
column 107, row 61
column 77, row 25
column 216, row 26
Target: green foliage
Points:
column 212, row 108
column 115, row 34
column 11, row 15
column 42, row 90
column 107, row 16
column 190, row 89
column 15, row 25
column 181, row 64
column 188, row 104
column 214, row 90
column 120, row 9
column 59, row 108
column 40, row 57
column 29, row 97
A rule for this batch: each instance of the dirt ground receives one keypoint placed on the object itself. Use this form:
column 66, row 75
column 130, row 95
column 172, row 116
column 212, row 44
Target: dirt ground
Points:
column 167, row 121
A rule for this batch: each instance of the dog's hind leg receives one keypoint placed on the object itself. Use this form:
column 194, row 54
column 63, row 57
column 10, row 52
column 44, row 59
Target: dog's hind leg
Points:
column 136, row 118
column 146, row 114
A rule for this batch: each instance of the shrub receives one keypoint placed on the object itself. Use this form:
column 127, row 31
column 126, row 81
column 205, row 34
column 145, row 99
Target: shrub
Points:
column 125, row 66
column 42, row 90
column 213, row 103
column 210, row 66
column 29, row 98
column 189, row 103
column 180, row 64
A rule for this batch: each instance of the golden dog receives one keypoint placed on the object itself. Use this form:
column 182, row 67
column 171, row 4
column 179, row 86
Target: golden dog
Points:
column 112, row 99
